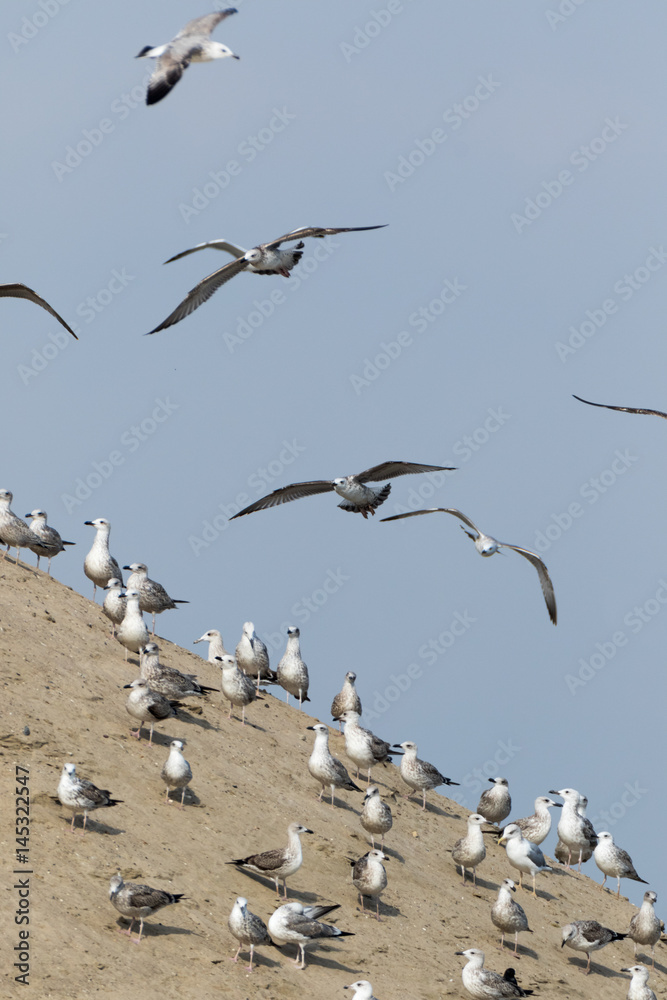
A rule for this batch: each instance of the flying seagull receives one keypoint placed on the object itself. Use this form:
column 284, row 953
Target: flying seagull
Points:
column 624, row 409
column 486, row 546
column 18, row 291
column 265, row 258
column 359, row 499
column 191, row 44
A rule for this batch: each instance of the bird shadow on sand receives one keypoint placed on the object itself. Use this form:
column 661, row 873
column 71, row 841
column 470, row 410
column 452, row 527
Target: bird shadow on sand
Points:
column 292, row 894
column 248, row 723
column 386, row 910
column 93, row 826
column 157, row 930
column 596, row 968
column 523, row 951
column 480, row 883
column 317, row 958
column 190, row 798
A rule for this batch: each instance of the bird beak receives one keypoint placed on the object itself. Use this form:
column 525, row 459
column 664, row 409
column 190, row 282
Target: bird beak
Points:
column 503, row 840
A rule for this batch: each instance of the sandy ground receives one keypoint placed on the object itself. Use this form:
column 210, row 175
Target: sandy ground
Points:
column 62, row 677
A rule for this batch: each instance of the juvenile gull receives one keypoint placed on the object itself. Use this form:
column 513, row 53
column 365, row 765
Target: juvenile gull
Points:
column 16, row 290
column 137, row 902
column 362, row 990
column 487, row 546
column 575, row 831
column 252, row 655
column 645, row 927
column 469, row 851
column 248, row 929
column 376, row 815
column 523, row 855
column 80, row 795
column 357, row 497
column 191, row 44
column 483, row 984
column 216, row 647
column 114, row 605
column 176, row 772
column 419, row 774
column 147, row 706
column 536, row 827
column 614, row 861
column 152, row 596
column 236, row 687
column 507, row 915
column 495, row 804
column 298, row 924
column 639, row 990
column 588, row 936
column 49, row 542
column 279, row 864
column 292, row 672
column 265, row 258
column 132, row 631
column 362, row 746
column 14, row 532
column 99, row 565
column 168, row 681
column 369, row 877
column 623, row 409
column 327, row 769
column 346, row 699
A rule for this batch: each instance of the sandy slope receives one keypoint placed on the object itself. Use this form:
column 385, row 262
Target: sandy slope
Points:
column 63, row 675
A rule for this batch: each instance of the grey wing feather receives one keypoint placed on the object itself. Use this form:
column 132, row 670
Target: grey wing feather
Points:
column 268, row 860
column 16, row 290
column 315, row 231
column 159, row 707
column 390, row 470
column 202, row 292
column 314, row 929
column 436, row 510
column 287, row 493
column 92, row 792
column 145, row 895
column 623, row 409
column 235, row 251
column 205, row 25
column 545, row 579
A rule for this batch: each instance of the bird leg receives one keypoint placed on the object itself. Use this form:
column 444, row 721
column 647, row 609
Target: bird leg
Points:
column 424, row 799
column 153, row 632
column 183, row 797
column 128, row 932
column 252, row 949
column 141, row 931
column 588, row 967
column 136, row 732
column 236, row 956
column 516, row 944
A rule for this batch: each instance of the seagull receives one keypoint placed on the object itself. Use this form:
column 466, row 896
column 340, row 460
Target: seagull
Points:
column 623, row 409
column 236, row 686
column 369, row 877
column 252, row 656
column 176, row 772
column 153, row 598
column 80, row 795
column 325, row 768
column 574, row 830
column 115, row 603
column 523, row 855
column 470, row 851
column 265, row 258
column 18, row 291
column 146, row 706
column 588, row 936
column 419, row 774
column 362, row 990
column 358, row 498
column 191, row 44
column 168, row 681
column 247, row 928
column 613, row 860
column 49, row 542
column 293, row 922
column 508, row 916
column 375, row 816
column 216, row 647
column 495, row 803
column 487, row 546
column 138, row 902
column 99, row 565
column 280, row 863
column 14, row 532
column 292, row 672
column 483, row 984
column 347, row 698
column 536, row 827
column 363, row 747
column 645, row 926
column 638, row 989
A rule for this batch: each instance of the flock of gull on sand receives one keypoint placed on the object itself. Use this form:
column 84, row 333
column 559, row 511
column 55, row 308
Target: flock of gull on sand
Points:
column 157, row 693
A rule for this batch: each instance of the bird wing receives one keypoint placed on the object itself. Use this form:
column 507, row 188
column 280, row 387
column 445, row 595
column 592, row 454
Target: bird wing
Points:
column 545, row 579
column 315, row 912
column 202, row 292
column 624, row 409
column 168, row 71
column 435, row 510
column 313, row 928
column 267, row 861
column 215, row 245
column 315, row 231
column 390, row 470
column 145, row 895
column 205, row 25
column 92, row 792
column 287, row 493
column 159, row 706
column 16, row 290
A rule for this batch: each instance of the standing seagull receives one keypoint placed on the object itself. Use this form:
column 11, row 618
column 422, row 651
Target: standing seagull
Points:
column 138, row 902
column 536, row 827
column 236, row 687
column 50, row 543
column 375, row 816
column 146, row 706
column 419, row 774
column 523, row 855
column 191, row 44
column 645, row 926
column 483, row 984
column 487, row 546
column 152, row 596
column 507, row 915
column 495, row 804
column 176, row 772
column 99, row 565
column 369, row 877
column 216, row 647
column 265, row 258
column 252, row 655
column 132, row 632
column 115, row 604
column 14, row 532
column 623, row 409
column 298, row 924
column 358, row 498
column 614, row 861
column 470, row 851
column 18, row 291
column 325, row 768
column 168, row 681
column 362, row 746
column 247, row 928
column 347, row 698
column 638, row 987
column 292, row 672
column 574, row 830
column 588, row 936
column 279, row 864
column 80, row 795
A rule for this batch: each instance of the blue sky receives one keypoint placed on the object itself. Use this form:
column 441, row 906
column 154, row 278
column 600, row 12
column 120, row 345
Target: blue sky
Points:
column 516, row 154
